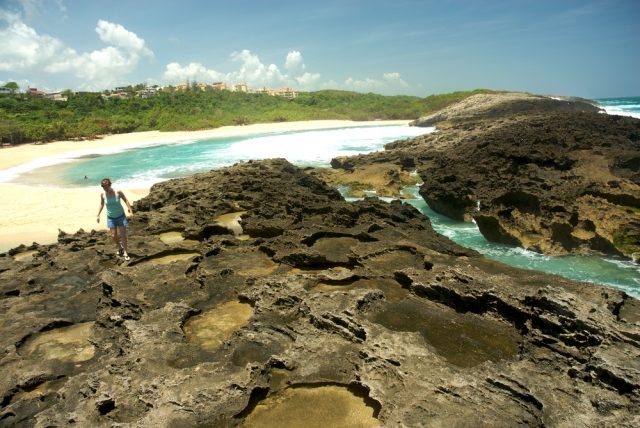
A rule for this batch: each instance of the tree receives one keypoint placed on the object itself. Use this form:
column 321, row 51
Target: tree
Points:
column 10, row 133
column 13, row 86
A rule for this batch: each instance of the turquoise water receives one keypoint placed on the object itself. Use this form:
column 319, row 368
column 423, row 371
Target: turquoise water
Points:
column 143, row 166
column 628, row 106
column 621, row 274
column 616, row 273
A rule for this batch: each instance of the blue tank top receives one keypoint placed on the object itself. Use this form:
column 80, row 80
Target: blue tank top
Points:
column 114, row 207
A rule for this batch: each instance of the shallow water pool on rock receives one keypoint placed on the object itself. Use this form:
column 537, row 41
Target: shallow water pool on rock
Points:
column 464, row 340
column 311, row 407
column 211, row 328
column 64, row 344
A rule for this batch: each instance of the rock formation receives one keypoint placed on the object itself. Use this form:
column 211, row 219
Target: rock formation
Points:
column 545, row 174
column 256, row 296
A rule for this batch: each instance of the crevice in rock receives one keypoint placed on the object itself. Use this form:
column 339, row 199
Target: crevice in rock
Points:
column 8, row 397
column 311, row 240
column 342, row 282
column 479, row 304
column 616, row 307
column 257, row 395
column 105, row 406
column 608, row 377
column 342, row 325
column 518, row 391
column 617, row 199
column 315, row 261
column 213, row 230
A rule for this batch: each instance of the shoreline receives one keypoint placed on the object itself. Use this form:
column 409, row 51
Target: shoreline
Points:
column 37, row 213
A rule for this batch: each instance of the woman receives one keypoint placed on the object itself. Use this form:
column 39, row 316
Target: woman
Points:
column 116, row 219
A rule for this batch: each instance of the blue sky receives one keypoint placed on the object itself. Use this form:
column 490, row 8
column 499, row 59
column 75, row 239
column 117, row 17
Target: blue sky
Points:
column 588, row 48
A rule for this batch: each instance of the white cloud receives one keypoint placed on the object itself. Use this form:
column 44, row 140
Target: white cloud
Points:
column 394, row 79
column 256, row 74
column 31, row 9
column 389, row 84
column 362, row 84
column 308, row 80
column 117, row 35
column 194, row 72
column 23, row 50
column 294, row 63
column 251, row 71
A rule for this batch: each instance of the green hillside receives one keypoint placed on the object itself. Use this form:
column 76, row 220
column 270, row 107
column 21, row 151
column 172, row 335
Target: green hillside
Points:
column 25, row 118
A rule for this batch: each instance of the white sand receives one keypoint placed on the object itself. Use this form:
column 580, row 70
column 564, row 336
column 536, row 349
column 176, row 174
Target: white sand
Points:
column 35, row 213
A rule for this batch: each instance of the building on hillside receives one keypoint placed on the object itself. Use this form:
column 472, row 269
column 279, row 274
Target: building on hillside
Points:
column 219, row 86
column 262, row 90
column 285, row 93
column 116, row 95
column 35, row 91
column 202, row 86
column 148, row 92
column 56, row 96
column 239, row 87
column 282, row 92
column 120, row 89
column 4, row 90
column 182, row 87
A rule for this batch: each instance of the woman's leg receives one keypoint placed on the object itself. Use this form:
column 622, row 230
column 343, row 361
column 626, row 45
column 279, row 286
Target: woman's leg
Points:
column 122, row 231
column 114, row 235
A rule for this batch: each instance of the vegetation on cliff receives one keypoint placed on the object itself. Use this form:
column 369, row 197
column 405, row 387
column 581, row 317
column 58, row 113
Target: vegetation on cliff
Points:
column 25, row 118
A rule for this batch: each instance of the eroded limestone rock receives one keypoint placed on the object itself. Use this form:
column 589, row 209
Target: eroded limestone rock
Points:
column 360, row 306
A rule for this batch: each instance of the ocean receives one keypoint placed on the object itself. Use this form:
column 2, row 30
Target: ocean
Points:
column 629, row 106
column 140, row 167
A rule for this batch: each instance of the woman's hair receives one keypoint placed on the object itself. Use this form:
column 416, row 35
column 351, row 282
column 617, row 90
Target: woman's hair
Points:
column 105, row 181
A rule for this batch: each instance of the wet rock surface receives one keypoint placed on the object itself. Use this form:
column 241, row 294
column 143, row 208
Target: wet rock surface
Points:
column 551, row 175
column 316, row 311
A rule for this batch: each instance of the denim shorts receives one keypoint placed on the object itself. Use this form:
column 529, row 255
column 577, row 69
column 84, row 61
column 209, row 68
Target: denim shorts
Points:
column 112, row 223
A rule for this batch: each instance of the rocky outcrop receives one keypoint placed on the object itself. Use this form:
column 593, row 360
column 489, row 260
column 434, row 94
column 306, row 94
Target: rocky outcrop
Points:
column 544, row 174
column 256, row 294
column 500, row 105
column 551, row 183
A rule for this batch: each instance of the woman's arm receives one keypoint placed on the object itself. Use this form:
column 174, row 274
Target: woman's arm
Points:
column 101, row 206
column 126, row 201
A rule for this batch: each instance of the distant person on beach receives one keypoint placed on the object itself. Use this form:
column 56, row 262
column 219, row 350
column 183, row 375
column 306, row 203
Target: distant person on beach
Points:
column 116, row 219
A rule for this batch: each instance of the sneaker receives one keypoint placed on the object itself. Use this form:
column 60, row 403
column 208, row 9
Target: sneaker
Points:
column 126, row 257
column 120, row 252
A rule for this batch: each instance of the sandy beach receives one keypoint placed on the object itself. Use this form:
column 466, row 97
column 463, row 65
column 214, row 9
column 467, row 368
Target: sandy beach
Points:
column 36, row 213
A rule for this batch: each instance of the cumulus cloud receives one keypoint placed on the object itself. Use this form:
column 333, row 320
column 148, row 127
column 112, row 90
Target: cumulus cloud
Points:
column 258, row 74
column 308, row 80
column 22, row 47
column 251, row 70
column 294, row 64
column 117, row 35
column 194, row 72
column 24, row 50
column 395, row 79
column 254, row 72
column 390, row 83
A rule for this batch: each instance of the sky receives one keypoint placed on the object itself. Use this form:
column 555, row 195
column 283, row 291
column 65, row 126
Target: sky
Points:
column 586, row 48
